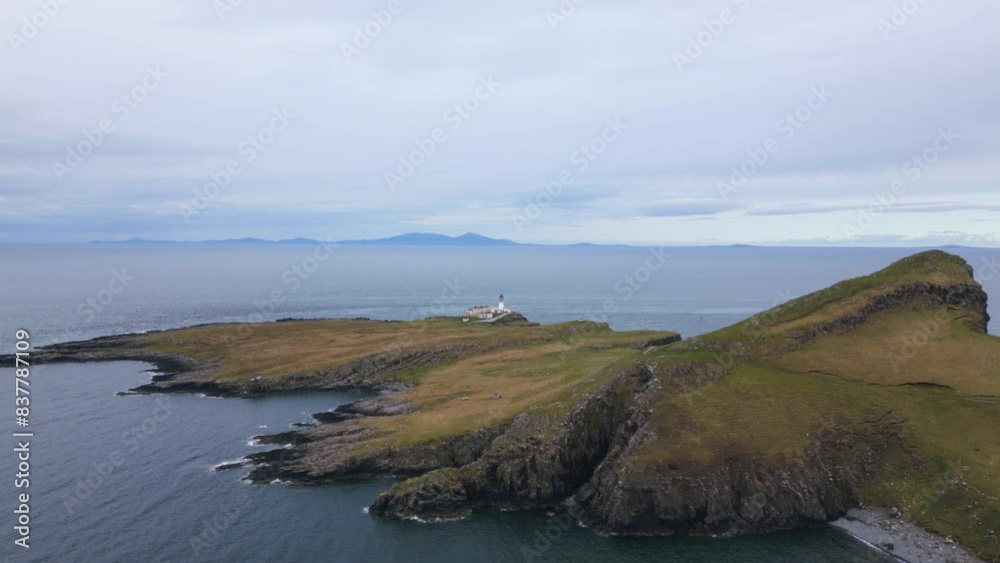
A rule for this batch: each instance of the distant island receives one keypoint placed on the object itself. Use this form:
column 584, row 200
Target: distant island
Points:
column 431, row 239
column 465, row 240
column 408, row 239
column 881, row 391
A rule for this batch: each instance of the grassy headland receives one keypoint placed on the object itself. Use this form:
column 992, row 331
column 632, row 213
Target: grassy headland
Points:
column 882, row 390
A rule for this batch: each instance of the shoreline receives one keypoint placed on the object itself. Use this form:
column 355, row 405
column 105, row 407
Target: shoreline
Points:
column 893, row 537
column 387, row 359
column 901, row 540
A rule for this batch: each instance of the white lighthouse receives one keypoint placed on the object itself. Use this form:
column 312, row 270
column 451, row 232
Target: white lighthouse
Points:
column 487, row 313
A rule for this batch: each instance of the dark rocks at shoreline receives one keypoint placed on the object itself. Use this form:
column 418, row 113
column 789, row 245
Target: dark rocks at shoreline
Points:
column 291, row 437
column 383, row 405
column 229, row 466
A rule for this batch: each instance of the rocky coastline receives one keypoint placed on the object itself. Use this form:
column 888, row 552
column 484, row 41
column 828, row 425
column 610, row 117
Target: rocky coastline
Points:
column 604, row 447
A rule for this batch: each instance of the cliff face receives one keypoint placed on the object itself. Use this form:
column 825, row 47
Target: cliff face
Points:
column 739, row 494
column 542, row 457
column 726, row 435
column 967, row 297
column 589, row 457
column 333, row 452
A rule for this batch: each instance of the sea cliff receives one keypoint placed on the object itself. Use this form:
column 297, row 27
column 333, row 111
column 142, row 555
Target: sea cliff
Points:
column 881, row 391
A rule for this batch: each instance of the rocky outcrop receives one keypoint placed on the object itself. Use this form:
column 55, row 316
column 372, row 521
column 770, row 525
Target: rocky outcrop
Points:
column 968, row 297
column 546, row 457
column 385, row 405
column 589, row 456
column 382, row 371
column 514, row 319
column 542, row 458
column 331, row 452
column 737, row 495
column 539, row 458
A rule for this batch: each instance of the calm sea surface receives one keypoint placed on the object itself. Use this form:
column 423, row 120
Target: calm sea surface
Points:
column 128, row 478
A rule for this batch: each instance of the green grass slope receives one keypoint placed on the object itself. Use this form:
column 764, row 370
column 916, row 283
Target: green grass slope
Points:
column 897, row 362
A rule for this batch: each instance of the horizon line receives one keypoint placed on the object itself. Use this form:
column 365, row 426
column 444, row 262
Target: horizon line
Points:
column 456, row 241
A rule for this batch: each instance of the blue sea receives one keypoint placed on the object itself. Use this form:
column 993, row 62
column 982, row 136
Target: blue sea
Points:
column 129, row 478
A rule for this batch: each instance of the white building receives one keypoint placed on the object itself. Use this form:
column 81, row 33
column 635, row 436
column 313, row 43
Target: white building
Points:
column 486, row 313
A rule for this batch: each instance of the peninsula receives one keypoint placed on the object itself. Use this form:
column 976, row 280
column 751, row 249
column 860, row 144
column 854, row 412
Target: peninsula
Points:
column 881, row 391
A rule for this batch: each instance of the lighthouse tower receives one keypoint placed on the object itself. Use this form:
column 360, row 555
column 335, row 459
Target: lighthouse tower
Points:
column 502, row 306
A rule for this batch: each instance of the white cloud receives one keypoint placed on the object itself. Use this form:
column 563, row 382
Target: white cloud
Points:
column 609, row 59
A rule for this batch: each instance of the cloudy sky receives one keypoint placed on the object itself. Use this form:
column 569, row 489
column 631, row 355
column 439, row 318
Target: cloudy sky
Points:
column 625, row 121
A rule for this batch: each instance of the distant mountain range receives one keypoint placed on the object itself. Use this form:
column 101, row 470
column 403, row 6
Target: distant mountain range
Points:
column 409, row 239
column 432, row 239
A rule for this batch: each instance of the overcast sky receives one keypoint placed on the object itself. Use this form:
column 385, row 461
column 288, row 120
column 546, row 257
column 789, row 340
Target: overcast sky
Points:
column 684, row 115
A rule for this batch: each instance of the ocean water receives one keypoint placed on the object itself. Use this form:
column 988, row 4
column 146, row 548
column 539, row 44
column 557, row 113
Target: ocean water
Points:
column 65, row 293
column 129, row 478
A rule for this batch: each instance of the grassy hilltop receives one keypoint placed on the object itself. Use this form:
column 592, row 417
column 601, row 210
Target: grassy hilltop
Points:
column 897, row 366
column 882, row 390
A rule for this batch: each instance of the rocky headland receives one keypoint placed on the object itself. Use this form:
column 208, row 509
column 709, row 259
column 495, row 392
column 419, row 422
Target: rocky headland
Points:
column 882, row 390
